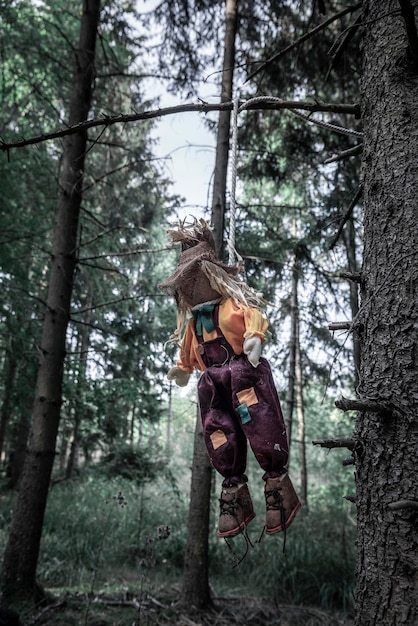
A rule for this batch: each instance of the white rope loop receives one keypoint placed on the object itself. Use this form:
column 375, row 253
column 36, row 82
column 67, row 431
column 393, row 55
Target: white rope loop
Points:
column 234, row 151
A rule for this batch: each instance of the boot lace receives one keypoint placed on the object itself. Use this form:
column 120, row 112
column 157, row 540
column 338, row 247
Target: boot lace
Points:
column 274, row 502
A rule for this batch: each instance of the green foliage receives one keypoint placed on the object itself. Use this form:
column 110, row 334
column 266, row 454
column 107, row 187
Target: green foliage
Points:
column 131, row 463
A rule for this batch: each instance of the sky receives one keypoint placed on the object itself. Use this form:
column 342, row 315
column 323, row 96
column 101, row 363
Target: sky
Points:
column 182, row 140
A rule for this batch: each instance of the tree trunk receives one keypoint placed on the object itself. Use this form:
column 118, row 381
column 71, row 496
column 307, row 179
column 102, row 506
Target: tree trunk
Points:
column 195, row 590
column 350, row 246
column 79, row 404
column 294, row 328
column 387, row 470
column 22, row 550
column 9, row 376
column 224, row 126
column 300, row 408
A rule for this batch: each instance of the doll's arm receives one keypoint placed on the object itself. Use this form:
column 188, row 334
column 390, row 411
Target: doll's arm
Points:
column 252, row 348
column 181, row 372
column 180, row 377
column 255, row 326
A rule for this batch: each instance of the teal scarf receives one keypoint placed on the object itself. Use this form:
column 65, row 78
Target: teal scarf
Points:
column 203, row 318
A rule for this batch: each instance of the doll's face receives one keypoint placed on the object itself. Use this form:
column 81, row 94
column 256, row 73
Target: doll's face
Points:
column 197, row 289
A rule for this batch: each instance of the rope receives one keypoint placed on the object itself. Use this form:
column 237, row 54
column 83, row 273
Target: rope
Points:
column 238, row 108
column 232, row 214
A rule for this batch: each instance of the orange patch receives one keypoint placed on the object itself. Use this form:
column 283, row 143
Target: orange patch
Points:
column 218, row 438
column 247, row 396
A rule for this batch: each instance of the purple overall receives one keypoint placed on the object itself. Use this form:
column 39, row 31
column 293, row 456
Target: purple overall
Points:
column 239, row 403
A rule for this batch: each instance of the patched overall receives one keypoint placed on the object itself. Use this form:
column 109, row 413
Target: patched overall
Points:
column 239, row 402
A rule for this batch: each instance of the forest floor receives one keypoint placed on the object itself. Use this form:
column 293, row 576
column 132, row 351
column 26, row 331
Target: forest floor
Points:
column 126, row 610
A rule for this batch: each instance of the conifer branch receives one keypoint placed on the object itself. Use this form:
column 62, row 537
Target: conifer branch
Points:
column 203, row 107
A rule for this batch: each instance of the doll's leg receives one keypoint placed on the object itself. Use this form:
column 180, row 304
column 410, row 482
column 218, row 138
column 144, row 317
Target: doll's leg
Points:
column 225, row 441
column 258, row 405
column 227, row 449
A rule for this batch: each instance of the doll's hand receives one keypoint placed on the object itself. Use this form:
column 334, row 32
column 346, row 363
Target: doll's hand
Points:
column 180, row 377
column 252, row 348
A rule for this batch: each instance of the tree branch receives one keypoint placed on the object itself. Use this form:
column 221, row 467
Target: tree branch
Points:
column 363, row 406
column 203, row 107
column 346, row 217
column 403, row 504
column 345, row 154
column 304, row 38
column 350, row 444
column 407, row 11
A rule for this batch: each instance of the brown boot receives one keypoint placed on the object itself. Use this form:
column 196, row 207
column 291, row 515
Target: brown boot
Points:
column 282, row 503
column 236, row 510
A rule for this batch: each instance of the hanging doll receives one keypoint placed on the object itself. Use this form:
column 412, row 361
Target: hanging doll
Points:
column 237, row 396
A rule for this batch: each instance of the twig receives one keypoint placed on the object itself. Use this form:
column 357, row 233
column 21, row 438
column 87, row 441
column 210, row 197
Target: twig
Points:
column 302, row 39
column 204, row 107
column 355, row 277
column 346, row 217
column 345, row 154
column 363, row 406
column 407, row 11
column 347, row 36
column 341, row 326
column 403, row 504
column 352, row 499
column 350, row 444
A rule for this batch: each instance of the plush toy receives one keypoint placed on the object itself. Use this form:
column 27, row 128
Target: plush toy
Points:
column 237, row 396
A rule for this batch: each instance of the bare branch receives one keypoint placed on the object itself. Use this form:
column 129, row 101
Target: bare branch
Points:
column 304, row 38
column 350, row 444
column 407, row 11
column 352, row 499
column 347, row 216
column 340, row 326
column 203, row 107
column 403, row 504
column 363, row 406
column 346, row 154
column 127, row 253
column 355, row 277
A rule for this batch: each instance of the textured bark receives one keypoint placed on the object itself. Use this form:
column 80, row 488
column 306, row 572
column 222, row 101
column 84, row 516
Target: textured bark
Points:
column 224, row 126
column 22, row 551
column 387, row 470
column 195, row 591
column 294, row 329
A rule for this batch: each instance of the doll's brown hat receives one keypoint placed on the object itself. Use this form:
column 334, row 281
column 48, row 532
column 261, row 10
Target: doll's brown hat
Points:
column 194, row 280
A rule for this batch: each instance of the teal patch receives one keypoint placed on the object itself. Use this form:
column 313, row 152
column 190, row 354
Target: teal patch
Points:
column 244, row 413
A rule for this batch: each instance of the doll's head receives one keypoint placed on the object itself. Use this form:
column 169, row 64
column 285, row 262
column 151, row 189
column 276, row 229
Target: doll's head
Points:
column 200, row 276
